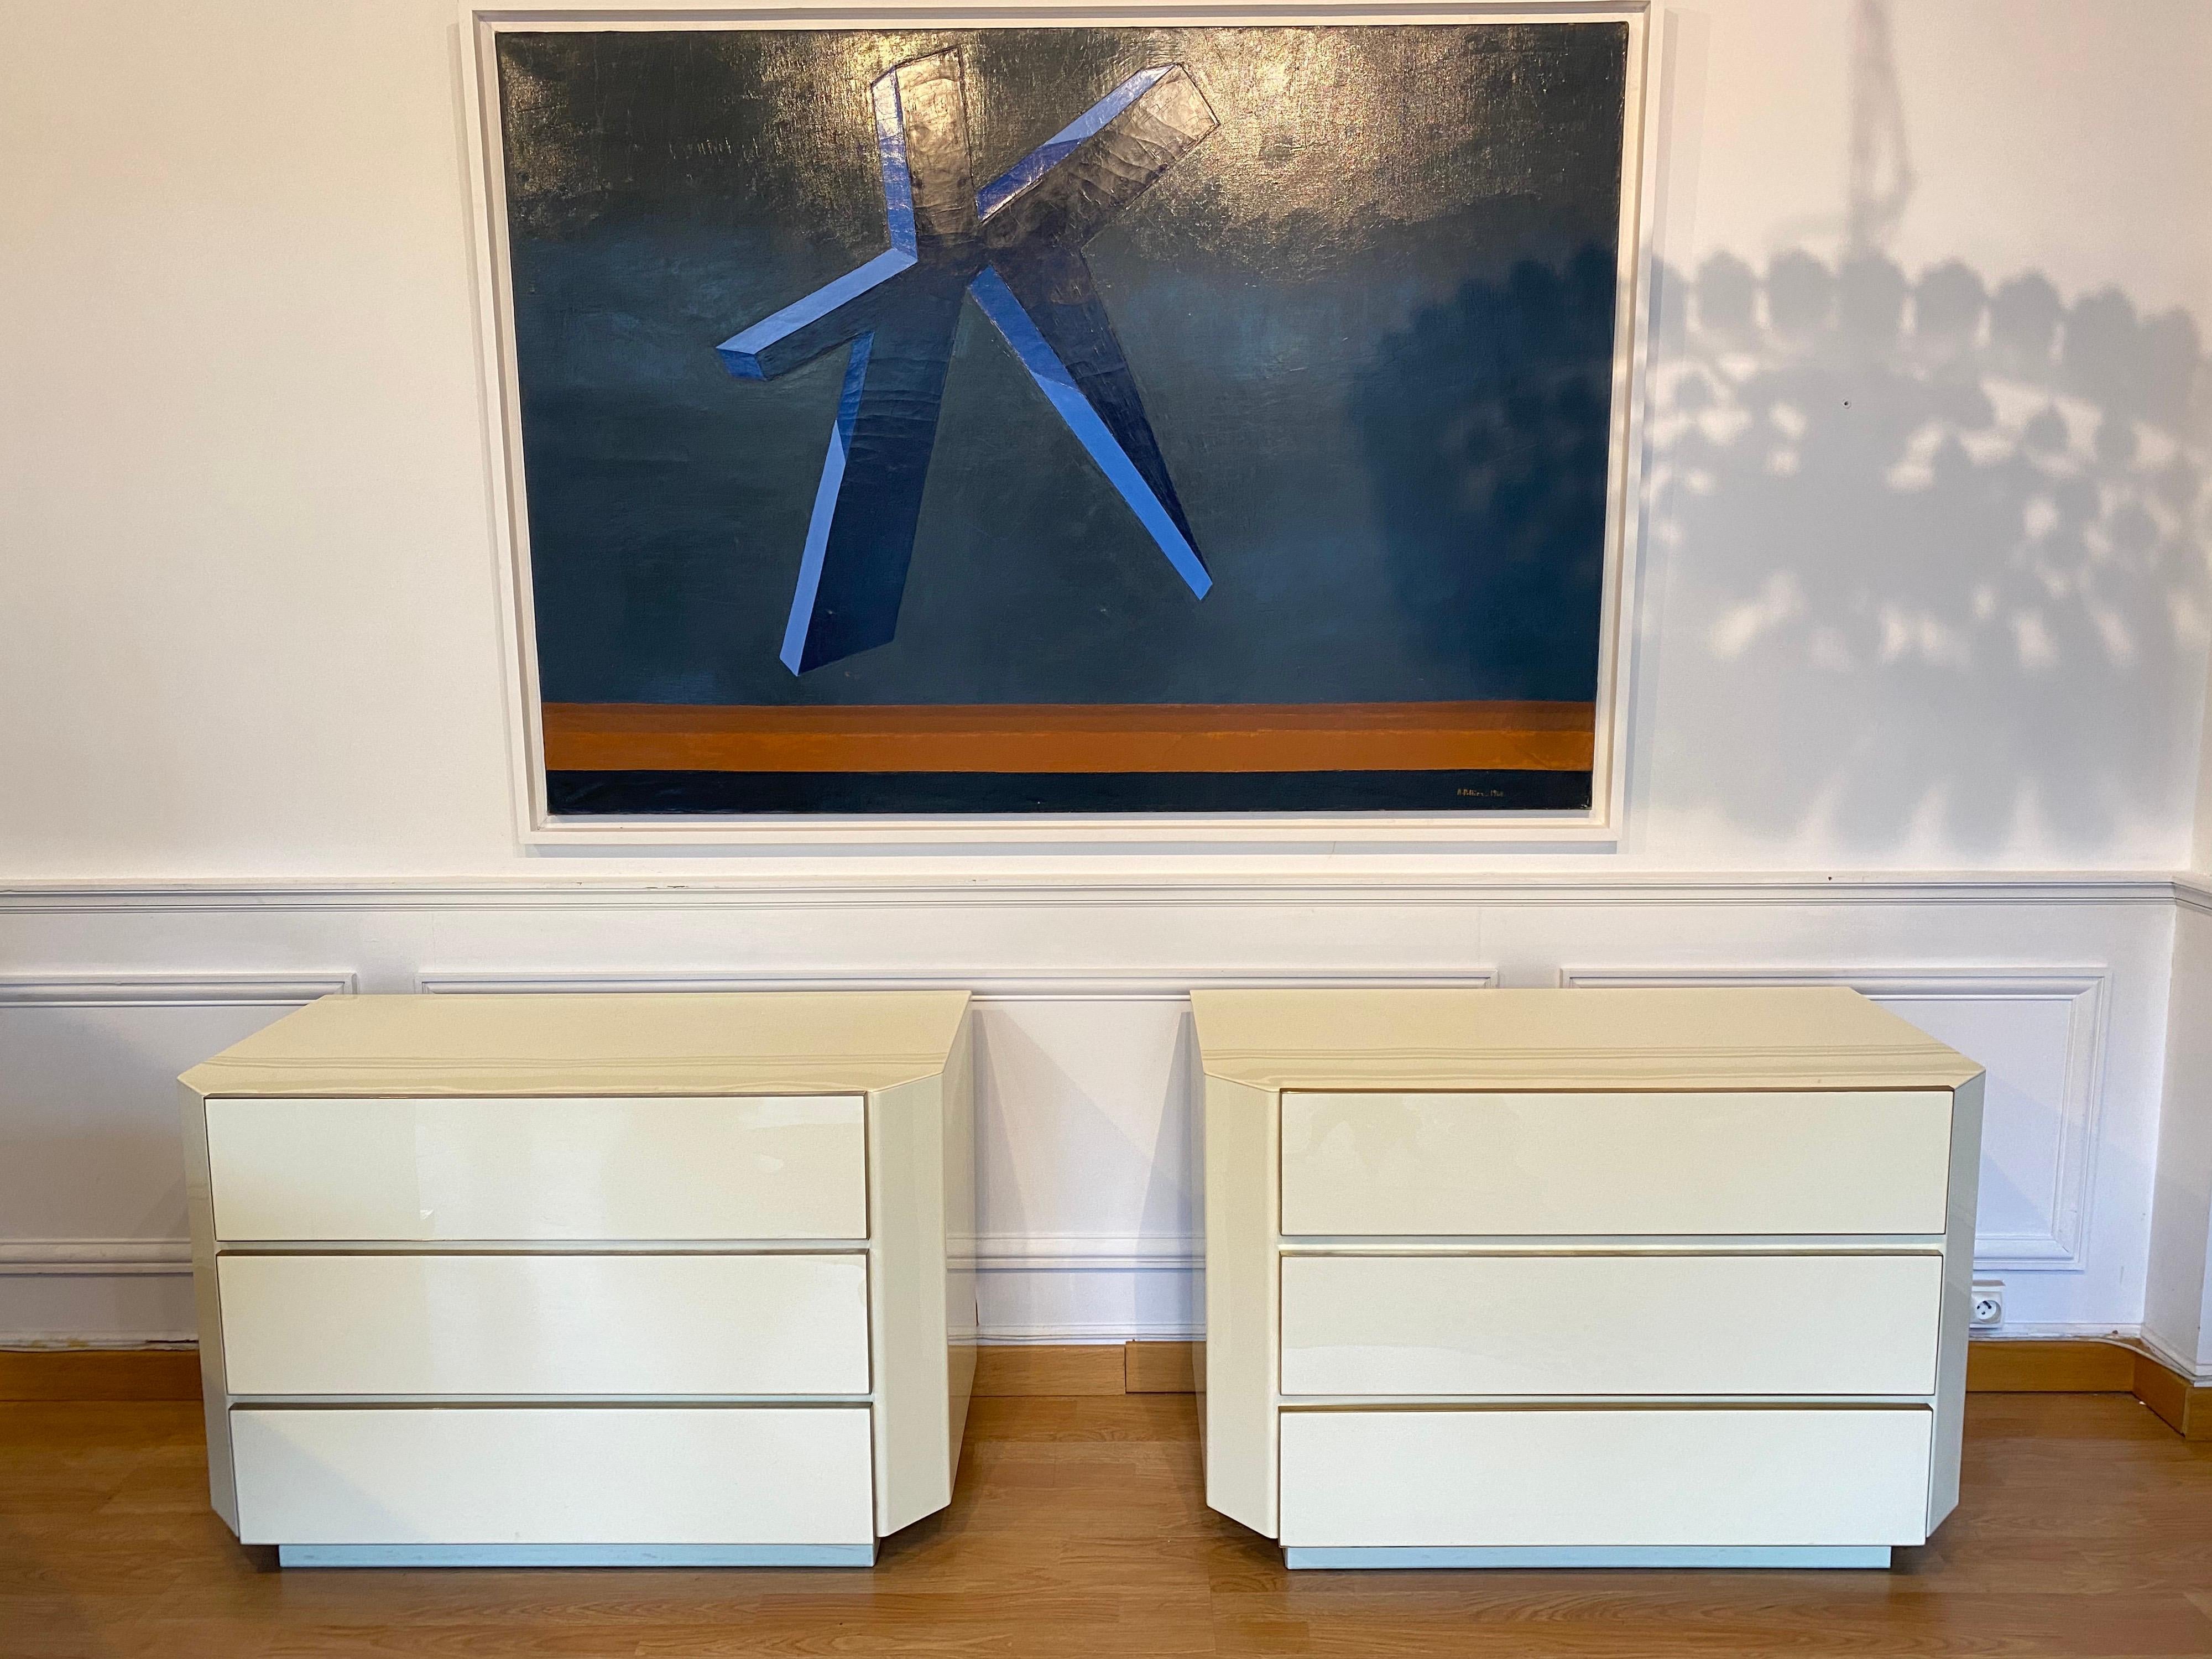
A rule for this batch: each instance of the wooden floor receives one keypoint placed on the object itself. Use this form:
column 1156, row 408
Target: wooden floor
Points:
column 1081, row 1529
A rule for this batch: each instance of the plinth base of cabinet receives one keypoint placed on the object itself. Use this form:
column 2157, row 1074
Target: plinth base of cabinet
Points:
column 576, row 1555
column 1524, row 1557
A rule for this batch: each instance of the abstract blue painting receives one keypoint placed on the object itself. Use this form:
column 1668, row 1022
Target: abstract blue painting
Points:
column 1080, row 420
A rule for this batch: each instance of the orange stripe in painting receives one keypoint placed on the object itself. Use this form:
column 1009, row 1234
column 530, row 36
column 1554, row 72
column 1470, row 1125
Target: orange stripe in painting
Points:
column 1368, row 736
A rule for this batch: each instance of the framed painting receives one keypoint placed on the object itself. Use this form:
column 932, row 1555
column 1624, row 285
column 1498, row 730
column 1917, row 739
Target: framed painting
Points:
column 1075, row 427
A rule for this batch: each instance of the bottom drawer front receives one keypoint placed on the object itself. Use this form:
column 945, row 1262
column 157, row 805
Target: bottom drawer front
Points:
column 555, row 1475
column 1624, row 1477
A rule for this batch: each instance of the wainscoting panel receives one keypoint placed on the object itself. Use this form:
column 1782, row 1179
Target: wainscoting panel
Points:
column 2041, row 1034
column 92, row 1188
column 1089, row 1225
column 1087, row 1206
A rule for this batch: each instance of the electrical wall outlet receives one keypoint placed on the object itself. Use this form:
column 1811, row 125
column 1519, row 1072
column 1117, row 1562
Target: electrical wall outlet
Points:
column 1987, row 1308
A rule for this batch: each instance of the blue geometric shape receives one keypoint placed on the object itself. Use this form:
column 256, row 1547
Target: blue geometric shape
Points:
column 1056, row 149
column 1056, row 200
column 1016, row 247
column 742, row 354
column 1059, row 387
column 890, row 158
column 825, row 505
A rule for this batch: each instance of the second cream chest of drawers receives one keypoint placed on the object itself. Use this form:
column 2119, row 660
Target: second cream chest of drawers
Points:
column 1632, row 1277
column 585, row 1278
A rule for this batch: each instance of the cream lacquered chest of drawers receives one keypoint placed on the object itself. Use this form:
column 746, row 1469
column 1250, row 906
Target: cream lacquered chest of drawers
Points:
column 1583, row 1277
column 585, row 1279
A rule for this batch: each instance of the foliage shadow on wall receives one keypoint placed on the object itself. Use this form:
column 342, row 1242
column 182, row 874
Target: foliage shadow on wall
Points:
column 1937, row 547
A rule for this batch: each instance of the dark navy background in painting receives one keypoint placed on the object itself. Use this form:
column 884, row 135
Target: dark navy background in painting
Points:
column 1370, row 320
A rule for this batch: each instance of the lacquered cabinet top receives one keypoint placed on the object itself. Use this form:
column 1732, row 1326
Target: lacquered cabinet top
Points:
column 628, row 1043
column 1670, row 1037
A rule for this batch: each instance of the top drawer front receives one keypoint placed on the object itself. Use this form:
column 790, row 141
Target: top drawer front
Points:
column 1619, row 1164
column 753, row 1167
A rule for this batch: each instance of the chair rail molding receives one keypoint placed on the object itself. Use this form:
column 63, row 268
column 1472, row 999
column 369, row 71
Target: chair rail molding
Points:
column 190, row 987
column 2084, row 993
column 1143, row 984
column 1219, row 885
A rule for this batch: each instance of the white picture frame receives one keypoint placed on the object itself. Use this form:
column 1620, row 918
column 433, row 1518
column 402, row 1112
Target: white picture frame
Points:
column 537, row 827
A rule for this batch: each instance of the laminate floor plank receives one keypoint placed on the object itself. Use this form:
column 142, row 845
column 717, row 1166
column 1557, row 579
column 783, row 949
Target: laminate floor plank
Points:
column 1080, row 1528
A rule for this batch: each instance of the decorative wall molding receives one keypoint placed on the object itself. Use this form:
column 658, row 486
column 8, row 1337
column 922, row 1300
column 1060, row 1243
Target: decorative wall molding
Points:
column 966, row 889
column 138, row 1258
column 2193, row 892
column 104, row 1258
column 985, row 1253
column 181, row 988
column 2085, row 992
column 1144, row 984
column 138, row 946
column 1030, row 1253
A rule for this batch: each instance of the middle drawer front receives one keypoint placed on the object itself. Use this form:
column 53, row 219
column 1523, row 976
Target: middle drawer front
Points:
column 1627, row 1324
column 523, row 1324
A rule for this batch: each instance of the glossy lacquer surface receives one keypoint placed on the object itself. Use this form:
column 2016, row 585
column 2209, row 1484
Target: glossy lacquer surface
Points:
column 613, row 1045
column 1620, row 1277
column 1657, row 1322
column 758, row 1167
column 665, row 1475
column 909, row 418
column 585, row 1279
column 1619, row 1478
column 1782, row 1040
column 528, row 1324
column 1835, row 1162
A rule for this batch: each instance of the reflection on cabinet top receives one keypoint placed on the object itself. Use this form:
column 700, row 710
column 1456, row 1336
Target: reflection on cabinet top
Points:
column 1700, row 1038
column 629, row 1043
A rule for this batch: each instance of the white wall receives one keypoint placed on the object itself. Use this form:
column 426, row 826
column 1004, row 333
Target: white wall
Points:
column 2200, row 856
column 244, row 472
column 1971, row 645
column 1888, row 627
